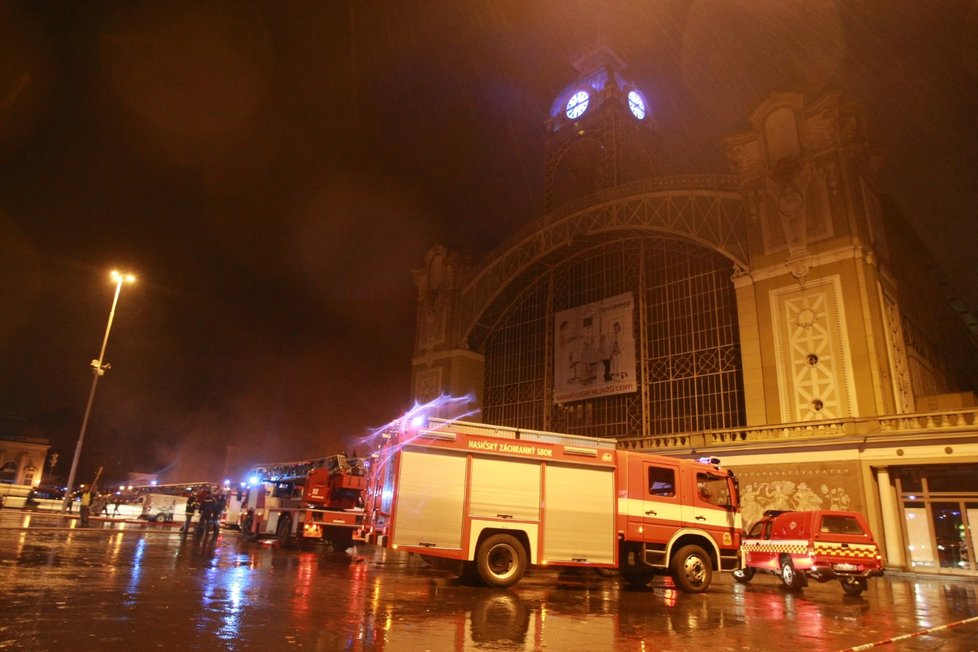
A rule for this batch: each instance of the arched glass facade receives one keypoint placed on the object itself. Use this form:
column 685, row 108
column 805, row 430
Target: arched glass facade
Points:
column 687, row 362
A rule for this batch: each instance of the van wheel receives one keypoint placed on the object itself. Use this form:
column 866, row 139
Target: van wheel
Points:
column 789, row 576
column 744, row 575
column 691, row 569
column 854, row 585
column 283, row 531
column 501, row 560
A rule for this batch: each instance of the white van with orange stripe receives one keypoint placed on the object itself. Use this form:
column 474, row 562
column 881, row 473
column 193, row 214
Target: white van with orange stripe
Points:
column 821, row 545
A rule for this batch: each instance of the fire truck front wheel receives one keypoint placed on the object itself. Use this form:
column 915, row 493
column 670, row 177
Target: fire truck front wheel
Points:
column 691, row 569
column 501, row 560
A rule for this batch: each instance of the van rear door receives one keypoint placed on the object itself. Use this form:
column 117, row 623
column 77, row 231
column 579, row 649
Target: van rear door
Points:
column 844, row 541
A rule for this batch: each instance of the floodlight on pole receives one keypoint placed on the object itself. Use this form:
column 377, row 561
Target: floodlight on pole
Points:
column 99, row 367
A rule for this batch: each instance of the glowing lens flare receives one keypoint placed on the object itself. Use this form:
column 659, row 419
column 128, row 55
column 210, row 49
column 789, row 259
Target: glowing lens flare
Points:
column 445, row 406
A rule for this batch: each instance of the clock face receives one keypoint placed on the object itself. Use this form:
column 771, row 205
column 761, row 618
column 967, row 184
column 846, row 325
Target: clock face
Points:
column 577, row 104
column 636, row 104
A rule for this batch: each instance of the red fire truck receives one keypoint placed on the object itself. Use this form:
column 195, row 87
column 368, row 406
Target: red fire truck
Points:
column 297, row 501
column 494, row 500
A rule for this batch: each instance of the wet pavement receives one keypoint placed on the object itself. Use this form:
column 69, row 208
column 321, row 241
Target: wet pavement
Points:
column 132, row 585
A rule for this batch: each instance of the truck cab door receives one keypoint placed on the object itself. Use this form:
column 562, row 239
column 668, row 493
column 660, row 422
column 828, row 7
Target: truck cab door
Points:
column 709, row 506
column 654, row 509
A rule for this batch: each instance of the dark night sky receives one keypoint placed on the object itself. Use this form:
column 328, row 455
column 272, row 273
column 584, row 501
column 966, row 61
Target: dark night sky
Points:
column 273, row 171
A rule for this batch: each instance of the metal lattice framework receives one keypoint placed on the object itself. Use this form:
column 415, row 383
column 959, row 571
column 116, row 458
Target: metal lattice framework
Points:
column 686, row 324
column 676, row 251
column 705, row 209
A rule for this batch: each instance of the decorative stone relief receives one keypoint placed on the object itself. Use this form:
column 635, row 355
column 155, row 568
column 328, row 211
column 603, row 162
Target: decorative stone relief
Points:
column 902, row 383
column 798, row 486
column 436, row 288
column 822, row 131
column 753, row 205
column 814, row 372
column 832, row 178
column 787, row 185
column 428, row 385
column 799, row 265
column 877, row 232
column 820, row 209
column 747, row 159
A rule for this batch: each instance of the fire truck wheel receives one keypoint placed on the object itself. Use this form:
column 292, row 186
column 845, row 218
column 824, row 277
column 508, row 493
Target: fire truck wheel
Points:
column 744, row 575
column 246, row 527
column 691, row 569
column 501, row 560
column 789, row 576
column 339, row 538
column 854, row 585
column 283, row 531
column 637, row 579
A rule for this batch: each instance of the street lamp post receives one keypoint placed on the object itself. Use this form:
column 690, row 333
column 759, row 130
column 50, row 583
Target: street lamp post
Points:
column 99, row 367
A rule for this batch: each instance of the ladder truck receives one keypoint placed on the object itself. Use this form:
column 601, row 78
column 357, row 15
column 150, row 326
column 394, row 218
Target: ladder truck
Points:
column 318, row 499
column 492, row 501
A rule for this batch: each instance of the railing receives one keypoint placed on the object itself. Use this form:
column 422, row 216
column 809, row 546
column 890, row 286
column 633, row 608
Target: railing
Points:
column 945, row 422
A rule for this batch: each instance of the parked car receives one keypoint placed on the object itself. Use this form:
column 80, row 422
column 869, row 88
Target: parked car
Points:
column 819, row 545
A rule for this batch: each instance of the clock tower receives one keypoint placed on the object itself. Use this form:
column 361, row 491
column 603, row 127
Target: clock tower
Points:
column 600, row 132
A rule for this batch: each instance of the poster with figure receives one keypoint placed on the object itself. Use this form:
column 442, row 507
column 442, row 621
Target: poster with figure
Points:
column 594, row 350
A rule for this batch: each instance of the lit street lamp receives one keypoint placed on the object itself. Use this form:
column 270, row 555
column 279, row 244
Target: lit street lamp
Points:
column 99, row 367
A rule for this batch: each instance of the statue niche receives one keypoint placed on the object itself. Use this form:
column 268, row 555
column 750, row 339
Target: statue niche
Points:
column 436, row 284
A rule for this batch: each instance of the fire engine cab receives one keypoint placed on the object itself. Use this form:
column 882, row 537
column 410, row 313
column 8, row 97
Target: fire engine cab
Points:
column 493, row 500
column 315, row 499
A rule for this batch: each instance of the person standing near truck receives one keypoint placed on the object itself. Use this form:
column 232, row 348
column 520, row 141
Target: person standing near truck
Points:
column 191, row 509
column 220, row 502
column 208, row 511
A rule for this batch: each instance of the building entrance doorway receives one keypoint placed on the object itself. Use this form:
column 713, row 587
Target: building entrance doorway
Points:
column 939, row 506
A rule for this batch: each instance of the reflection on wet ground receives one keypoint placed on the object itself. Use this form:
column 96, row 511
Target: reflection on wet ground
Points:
column 68, row 588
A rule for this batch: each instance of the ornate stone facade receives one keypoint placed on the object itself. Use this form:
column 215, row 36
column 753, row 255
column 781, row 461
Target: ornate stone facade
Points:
column 814, row 370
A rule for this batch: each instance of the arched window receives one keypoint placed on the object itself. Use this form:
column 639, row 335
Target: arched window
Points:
column 8, row 472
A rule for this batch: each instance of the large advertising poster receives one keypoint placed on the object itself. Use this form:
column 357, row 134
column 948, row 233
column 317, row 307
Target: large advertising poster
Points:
column 595, row 350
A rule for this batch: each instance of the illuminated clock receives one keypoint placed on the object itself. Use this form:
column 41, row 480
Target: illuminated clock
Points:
column 636, row 104
column 577, row 104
